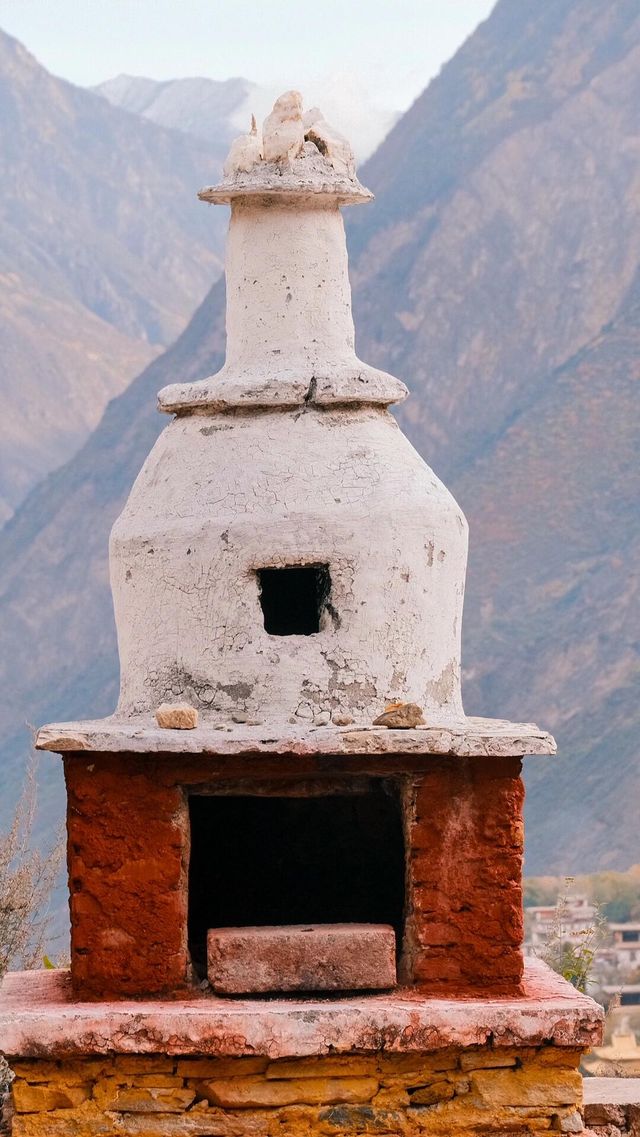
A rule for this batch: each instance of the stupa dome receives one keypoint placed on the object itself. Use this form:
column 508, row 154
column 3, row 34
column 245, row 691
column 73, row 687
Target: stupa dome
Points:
column 285, row 554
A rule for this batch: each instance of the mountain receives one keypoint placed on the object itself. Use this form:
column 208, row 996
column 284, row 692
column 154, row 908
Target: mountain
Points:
column 105, row 252
column 497, row 273
column 219, row 110
column 502, row 281
column 204, row 107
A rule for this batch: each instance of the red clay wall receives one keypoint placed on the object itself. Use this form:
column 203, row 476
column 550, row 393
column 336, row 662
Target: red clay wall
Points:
column 127, row 859
column 128, row 850
column 464, row 927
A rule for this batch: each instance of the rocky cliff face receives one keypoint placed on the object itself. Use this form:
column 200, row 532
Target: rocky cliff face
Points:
column 502, row 284
column 105, row 252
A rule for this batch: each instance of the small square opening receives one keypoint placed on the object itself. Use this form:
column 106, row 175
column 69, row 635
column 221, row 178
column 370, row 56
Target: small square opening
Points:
column 295, row 860
column 294, row 598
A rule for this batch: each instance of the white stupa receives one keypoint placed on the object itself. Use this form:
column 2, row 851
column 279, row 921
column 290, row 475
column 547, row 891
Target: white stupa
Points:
column 286, row 558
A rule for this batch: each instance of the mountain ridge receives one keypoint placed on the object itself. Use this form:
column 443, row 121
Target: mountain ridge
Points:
column 222, row 109
column 105, row 253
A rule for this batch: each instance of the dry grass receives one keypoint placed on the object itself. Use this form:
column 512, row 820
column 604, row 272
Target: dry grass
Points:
column 571, row 953
column 27, row 876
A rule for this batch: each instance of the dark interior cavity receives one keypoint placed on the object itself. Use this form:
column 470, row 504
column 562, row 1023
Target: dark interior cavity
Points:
column 294, row 598
column 295, row 860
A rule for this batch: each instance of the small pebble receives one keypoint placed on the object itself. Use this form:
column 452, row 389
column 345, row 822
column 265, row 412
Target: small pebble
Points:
column 304, row 711
column 177, row 716
column 340, row 719
column 401, row 716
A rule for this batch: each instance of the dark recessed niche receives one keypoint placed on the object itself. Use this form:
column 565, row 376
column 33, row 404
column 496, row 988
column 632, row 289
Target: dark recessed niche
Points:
column 295, row 860
column 294, row 598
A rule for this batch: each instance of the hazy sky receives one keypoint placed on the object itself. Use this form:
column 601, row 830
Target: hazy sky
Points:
column 391, row 48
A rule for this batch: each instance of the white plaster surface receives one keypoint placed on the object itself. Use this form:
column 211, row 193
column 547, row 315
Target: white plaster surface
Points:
column 283, row 130
column 290, row 335
column 245, row 152
column 39, row 1017
column 463, row 738
column 290, row 332
column 330, row 142
column 222, row 496
column 288, row 457
column 611, row 1091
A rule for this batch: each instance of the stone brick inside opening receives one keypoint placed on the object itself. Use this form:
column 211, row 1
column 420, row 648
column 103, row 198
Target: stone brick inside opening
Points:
column 294, row 598
column 295, row 860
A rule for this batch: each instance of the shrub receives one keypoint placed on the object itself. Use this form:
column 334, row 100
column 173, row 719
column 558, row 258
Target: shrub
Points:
column 571, row 953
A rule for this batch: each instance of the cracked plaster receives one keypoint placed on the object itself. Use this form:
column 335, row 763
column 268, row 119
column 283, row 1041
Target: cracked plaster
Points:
column 340, row 487
column 288, row 456
column 39, row 1017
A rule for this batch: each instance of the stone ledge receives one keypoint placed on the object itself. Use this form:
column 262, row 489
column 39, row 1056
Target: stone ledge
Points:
column 468, row 737
column 40, row 1018
column 307, row 384
column 611, row 1091
column 611, row 1107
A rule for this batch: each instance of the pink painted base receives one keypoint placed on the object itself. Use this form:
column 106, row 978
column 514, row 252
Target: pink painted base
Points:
column 40, row 1018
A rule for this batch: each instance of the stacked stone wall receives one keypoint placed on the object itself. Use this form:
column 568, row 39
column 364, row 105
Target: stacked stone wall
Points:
column 451, row 1093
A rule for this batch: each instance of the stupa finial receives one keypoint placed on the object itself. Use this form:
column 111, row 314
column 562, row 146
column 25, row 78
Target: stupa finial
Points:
column 283, row 129
column 295, row 151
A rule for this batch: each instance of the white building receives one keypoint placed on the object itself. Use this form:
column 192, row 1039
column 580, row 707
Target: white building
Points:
column 562, row 922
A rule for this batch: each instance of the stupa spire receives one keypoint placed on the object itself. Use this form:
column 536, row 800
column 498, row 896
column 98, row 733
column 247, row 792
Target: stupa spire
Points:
column 290, row 334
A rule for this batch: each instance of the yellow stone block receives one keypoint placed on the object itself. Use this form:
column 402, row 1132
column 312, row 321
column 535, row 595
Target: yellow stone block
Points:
column 460, row 1117
column 70, row 1073
column 36, row 1099
column 395, row 1065
column 557, row 1056
column 86, row 1121
column 487, row 1059
column 57, row 1125
column 420, row 1074
column 527, row 1087
column 143, row 1099
column 143, row 1064
column 393, row 1097
column 338, row 1066
column 220, row 1067
column 429, row 1095
column 548, row 1056
column 141, row 1081
column 33, row 1070
column 240, row 1093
